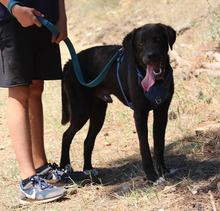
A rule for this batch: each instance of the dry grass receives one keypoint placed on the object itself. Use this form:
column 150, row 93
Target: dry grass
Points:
column 191, row 140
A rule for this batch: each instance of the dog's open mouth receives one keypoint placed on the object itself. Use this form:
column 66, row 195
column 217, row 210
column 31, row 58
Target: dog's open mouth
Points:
column 153, row 72
column 158, row 72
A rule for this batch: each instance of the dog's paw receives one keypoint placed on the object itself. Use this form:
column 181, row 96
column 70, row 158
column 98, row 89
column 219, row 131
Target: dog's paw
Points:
column 171, row 172
column 68, row 169
column 91, row 172
column 159, row 181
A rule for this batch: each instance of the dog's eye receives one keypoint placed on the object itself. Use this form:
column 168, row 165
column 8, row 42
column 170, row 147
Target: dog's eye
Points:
column 140, row 44
column 157, row 39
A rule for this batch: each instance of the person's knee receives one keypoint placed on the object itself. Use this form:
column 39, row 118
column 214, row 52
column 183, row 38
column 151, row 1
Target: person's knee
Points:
column 20, row 93
column 36, row 89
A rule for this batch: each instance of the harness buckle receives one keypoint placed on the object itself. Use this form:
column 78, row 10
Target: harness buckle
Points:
column 158, row 101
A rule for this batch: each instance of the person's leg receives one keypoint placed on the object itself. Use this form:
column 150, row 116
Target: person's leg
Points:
column 43, row 169
column 36, row 123
column 19, row 128
column 17, row 73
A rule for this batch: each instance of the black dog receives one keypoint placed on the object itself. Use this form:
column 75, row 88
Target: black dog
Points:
column 145, row 53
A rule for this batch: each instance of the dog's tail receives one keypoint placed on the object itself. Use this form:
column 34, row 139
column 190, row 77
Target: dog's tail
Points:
column 65, row 102
column 65, row 110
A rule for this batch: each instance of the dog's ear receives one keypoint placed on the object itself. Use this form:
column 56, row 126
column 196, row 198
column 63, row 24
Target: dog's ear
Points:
column 128, row 41
column 171, row 34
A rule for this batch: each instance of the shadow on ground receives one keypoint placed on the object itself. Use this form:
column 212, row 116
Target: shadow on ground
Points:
column 195, row 166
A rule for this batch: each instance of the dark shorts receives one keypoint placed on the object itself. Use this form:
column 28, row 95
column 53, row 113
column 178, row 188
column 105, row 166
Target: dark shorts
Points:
column 27, row 54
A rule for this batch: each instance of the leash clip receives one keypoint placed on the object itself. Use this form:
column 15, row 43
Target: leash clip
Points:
column 121, row 55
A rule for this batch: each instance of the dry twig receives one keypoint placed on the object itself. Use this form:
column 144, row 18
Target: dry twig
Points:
column 212, row 201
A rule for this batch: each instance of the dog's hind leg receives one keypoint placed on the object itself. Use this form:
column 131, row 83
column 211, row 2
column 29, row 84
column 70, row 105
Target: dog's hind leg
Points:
column 68, row 135
column 96, row 122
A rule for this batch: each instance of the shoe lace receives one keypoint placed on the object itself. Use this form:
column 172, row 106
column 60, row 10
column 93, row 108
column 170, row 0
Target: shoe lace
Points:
column 68, row 169
column 42, row 184
column 56, row 171
column 54, row 166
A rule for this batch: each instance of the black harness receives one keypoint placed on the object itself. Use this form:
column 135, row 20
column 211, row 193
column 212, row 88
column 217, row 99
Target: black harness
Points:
column 157, row 93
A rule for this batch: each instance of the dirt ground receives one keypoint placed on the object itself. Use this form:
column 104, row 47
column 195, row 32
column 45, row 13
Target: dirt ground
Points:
column 193, row 131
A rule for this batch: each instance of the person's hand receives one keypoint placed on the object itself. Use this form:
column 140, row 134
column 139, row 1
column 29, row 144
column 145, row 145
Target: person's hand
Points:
column 26, row 16
column 62, row 27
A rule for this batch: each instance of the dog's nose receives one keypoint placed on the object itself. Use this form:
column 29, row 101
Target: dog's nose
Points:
column 151, row 55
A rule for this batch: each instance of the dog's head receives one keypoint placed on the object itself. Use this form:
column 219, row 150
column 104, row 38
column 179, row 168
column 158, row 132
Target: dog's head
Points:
column 149, row 45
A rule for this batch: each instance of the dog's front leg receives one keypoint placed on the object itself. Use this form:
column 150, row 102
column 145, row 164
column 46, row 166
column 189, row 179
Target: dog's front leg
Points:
column 159, row 128
column 142, row 130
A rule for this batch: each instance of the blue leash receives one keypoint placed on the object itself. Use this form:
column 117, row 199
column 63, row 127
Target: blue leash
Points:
column 72, row 51
column 157, row 93
column 75, row 61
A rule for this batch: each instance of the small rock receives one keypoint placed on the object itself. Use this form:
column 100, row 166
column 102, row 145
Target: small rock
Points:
column 200, row 132
column 172, row 115
column 184, row 76
column 160, row 181
column 125, row 188
column 73, row 192
column 218, row 145
column 218, row 186
column 200, row 95
column 209, row 100
column 195, row 190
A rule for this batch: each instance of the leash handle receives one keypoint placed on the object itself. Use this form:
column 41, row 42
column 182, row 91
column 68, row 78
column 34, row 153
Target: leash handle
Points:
column 11, row 4
column 49, row 26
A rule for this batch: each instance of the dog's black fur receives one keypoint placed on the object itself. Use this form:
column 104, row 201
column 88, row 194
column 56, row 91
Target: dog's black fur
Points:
column 143, row 46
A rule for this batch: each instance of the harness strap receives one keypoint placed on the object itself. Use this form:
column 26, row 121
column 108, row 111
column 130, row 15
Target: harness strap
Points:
column 119, row 60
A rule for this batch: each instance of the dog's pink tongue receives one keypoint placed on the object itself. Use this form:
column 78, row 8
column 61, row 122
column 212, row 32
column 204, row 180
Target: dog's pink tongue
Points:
column 149, row 79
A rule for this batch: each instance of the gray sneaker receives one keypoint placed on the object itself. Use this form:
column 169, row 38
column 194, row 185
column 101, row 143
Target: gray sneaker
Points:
column 38, row 191
column 52, row 175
